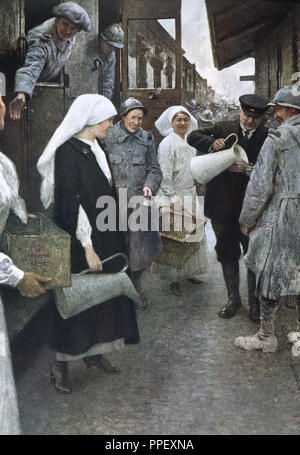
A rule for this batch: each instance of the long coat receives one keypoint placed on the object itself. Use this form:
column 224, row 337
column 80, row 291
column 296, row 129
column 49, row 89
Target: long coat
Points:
column 80, row 181
column 108, row 64
column 272, row 208
column 45, row 57
column 133, row 161
column 225, row 193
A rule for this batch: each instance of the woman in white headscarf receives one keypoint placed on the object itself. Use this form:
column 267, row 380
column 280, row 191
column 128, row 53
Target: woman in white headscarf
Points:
column 75, row 173
column 178, row 188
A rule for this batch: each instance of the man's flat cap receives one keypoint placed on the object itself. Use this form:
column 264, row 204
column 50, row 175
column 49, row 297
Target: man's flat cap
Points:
column 253, row 105
column 74, row 13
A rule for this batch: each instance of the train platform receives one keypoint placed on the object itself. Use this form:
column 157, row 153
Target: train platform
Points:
column 186, row 377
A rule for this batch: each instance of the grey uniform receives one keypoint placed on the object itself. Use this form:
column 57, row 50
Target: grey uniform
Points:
column 108, row 63
column 45, row 58
column 134, row 165
column 133, row 160
column 272, row 206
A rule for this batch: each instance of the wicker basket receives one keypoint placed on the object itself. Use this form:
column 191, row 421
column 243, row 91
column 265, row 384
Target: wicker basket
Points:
column 175, row 249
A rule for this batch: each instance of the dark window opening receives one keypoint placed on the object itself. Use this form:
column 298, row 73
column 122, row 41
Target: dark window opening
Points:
column 279, row 67
column 37, row 12
column 110, row 12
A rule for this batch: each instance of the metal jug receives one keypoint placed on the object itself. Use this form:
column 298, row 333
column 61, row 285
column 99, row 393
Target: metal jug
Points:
column 90, row 289
column 205, row 168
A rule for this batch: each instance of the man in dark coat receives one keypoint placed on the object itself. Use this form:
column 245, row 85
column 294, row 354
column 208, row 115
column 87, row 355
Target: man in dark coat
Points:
column 225, row 194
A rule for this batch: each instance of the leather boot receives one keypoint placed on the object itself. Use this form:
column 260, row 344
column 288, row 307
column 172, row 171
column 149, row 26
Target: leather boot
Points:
column 100, row 362
column 59, row 376
column 265, row 339
column 232, row 281
column 253, row 301
column 136, row 278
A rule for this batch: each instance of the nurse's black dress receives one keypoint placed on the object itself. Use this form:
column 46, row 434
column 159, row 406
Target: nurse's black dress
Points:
column 80, row 181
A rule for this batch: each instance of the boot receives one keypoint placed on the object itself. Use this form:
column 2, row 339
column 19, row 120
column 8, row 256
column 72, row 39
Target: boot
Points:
column 253, row 301
column 293, row 337
column 265, row 338
column 232, row 281
column 136, row 278
column 100, row 362
column 59, row 376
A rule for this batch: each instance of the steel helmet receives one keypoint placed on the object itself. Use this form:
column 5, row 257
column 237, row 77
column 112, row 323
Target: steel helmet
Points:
column 130, row 104
column 207, row 115
column 288, row 96
column 113, row 35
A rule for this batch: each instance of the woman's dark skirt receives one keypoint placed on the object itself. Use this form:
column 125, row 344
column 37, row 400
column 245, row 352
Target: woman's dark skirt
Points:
column 106, row 322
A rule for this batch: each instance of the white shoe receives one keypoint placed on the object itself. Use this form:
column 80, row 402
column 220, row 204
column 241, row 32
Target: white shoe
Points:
column 250, row 343
column 296, row 349
column 293, row 337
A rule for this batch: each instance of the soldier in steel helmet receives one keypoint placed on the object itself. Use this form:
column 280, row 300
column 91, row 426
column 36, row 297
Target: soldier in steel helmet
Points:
column 111, row 38
column 50, row 46
column 271, row 218
column 133, row 160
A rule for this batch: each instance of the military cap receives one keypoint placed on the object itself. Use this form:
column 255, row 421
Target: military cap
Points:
column 288, row 96
column 130, row 104
column 253, row 105
column 113, row 35
column 74, row 13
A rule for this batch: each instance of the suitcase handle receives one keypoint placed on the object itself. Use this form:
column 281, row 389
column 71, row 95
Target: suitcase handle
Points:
column 107, row 260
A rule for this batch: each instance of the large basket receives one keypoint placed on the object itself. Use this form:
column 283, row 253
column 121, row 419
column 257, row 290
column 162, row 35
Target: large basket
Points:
column 176, row 250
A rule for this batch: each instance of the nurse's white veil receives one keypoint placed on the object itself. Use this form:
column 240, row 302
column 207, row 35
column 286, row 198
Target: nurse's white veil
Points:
column 86, row 110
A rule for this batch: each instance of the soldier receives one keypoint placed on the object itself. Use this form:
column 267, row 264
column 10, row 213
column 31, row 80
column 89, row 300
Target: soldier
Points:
column 225, row 193
column 133, row 160
column 205, row 118
column 50, row 46
column 110, row 39
column 271, row 214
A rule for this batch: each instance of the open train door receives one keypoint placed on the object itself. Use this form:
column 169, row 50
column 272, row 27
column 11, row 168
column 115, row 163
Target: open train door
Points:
column 151, row 67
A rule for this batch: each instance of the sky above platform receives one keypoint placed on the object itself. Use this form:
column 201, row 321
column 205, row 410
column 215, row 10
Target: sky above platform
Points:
column 197, row 46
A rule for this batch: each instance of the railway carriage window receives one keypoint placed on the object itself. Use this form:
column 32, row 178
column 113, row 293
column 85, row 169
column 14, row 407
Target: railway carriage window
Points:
column 151, row 53
column 37, row 12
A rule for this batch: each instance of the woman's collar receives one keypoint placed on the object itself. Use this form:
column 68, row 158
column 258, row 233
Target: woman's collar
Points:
column 179, row 137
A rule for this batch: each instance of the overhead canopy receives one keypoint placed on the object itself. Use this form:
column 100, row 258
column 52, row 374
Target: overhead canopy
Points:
column 234, row 24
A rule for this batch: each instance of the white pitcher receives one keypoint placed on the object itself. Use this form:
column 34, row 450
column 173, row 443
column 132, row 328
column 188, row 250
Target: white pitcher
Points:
column 205, row 168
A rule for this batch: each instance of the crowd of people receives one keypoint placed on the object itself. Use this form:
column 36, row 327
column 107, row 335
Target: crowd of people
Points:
column 90, row 156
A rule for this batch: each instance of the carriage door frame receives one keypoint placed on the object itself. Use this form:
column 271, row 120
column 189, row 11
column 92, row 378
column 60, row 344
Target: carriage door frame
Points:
column 152, row 37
